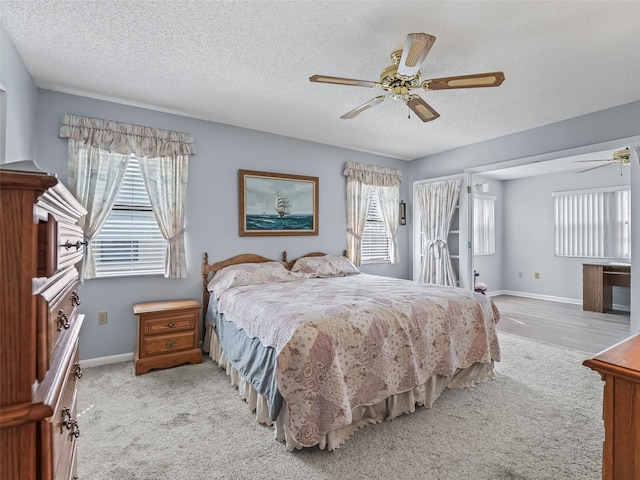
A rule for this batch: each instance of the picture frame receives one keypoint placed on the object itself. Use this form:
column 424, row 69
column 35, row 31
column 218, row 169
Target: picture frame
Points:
column 277, row 204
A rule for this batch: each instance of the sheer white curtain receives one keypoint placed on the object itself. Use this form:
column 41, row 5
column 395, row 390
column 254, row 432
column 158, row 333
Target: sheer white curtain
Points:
column 166, row 182
column 121, row 140
column 361, row 179
column 95, row 176
column 389, row 198
column 358, row 197
column 438, row 201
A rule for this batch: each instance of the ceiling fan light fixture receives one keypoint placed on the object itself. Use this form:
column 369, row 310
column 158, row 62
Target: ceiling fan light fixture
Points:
column 623, row 155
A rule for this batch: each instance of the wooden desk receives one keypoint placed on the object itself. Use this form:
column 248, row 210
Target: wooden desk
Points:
column 619, row 367
column 598, row 280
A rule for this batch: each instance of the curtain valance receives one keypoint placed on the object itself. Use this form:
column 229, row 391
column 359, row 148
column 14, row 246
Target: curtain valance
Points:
column 372, row 174
column 125, row 138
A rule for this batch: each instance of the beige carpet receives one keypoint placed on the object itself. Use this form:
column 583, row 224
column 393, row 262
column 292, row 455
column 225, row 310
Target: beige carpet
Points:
column 540, row 419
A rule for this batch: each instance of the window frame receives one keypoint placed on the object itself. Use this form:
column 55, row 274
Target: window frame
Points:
column 374, row 217
column 599, row 237
column 150, row 238
column 486, row 229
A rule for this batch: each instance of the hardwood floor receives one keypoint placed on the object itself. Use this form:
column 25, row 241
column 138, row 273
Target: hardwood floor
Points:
column 561, row 323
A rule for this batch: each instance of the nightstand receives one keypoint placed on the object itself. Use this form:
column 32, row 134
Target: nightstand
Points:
column 167, row 334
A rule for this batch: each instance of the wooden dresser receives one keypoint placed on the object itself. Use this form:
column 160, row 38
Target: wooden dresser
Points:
column 167, row 334
column 40, row 245
column 620, row 370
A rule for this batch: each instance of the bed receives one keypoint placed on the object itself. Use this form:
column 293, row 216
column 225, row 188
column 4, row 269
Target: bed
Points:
column 319, row 349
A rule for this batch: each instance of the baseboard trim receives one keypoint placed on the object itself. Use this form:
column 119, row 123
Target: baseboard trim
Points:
column 94, row 362
column 550, row 298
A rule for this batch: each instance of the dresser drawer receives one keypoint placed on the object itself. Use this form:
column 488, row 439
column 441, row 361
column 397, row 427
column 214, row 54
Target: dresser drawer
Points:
column 169, row 323
column 162, row 344
column 60, row 245
column 70, row 245
column 57, row 309
column 64, row 419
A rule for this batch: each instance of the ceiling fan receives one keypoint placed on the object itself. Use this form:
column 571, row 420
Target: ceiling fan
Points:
column 399, row 79
column 621, row 157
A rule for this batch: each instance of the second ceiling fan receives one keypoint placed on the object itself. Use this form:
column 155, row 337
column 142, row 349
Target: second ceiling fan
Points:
column 399, row 79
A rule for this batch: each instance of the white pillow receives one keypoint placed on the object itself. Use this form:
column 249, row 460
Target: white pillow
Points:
column 326, row 266
column 250, row 274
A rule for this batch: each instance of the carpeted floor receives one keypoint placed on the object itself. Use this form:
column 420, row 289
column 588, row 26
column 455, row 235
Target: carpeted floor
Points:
column 540, row 419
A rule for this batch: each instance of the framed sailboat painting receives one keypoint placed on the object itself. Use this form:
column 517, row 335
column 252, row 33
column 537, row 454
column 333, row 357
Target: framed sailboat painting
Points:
column 277, row 204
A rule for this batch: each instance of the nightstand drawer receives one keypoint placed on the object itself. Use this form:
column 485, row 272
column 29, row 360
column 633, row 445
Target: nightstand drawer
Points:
column 170, row 323
column 161, row 344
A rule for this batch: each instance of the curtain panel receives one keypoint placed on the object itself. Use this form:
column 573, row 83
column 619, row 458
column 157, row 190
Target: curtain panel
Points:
column 98, row 155
column 438, row 201
column 361, row 179
column 94, row 179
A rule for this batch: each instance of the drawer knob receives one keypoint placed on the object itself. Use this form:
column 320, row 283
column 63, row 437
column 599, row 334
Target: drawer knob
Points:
column 171, row 325
column 171, row 344
column 63, row 321
column 78, row 244
column 77, row 371
column 75, row 298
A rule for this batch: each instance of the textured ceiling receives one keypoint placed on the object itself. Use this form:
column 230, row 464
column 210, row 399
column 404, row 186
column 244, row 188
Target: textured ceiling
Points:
column 247, row 63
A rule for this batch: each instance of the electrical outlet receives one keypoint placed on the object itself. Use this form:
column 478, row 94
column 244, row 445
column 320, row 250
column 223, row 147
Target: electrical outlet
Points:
column 537, row 276
column 102, row 318
column 520, row 275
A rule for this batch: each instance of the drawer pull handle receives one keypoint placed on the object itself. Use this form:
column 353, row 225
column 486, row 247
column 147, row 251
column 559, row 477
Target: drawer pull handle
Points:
column 63, row 321
column 78, row 244
column 75, row 429
column 75, row 298
column 69, row 423
column 77, row 371
column 171, row 325
column 66, row 419
column 171, row 344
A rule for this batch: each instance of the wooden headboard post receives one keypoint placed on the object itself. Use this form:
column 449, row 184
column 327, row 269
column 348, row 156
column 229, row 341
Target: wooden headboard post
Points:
column 205, row 282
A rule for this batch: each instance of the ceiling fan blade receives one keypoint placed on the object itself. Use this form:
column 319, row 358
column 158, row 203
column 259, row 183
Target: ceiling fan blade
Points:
column 422, row 109
column 415, row 50
column 593, row 168
column 491, row 79
column 365, row 106
column 342, row 81
column 602, row 160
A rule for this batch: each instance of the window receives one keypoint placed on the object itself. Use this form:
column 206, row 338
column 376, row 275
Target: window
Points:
column 593, row 223
column 130, row 242
column 375, row 241
column 484, row 225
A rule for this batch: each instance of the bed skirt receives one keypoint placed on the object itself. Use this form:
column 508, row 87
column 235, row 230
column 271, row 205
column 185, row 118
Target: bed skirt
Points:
column 388, row 409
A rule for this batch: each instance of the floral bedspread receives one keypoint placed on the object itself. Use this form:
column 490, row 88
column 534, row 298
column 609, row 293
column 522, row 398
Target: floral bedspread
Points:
column 344, row 342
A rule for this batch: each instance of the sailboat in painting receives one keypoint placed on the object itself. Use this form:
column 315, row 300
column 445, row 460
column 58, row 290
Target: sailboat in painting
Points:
column 282, row 204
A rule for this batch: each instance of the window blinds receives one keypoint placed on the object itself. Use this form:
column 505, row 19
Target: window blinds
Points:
column 130, row 242
column 593, row 223
column 375, row 242
column 484, row 225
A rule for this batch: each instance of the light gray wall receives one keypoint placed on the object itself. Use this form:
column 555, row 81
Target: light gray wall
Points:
column 21, row 103
column 598, row 127
column 529, row 234
column 490, row 266
column 212, row 207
